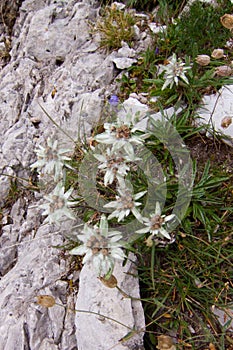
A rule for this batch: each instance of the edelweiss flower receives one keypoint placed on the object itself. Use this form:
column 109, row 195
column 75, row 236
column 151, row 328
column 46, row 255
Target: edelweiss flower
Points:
column 125, row 204
column 114, row 163
column 57, row 206
column 121, row 135
column 100, row 246
column 51, row 159
column 173, row 71
column 156, row 225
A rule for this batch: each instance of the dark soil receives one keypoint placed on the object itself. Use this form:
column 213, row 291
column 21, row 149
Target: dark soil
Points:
column 204, row 149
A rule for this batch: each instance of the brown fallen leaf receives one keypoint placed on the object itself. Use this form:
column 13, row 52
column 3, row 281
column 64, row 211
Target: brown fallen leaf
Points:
column 225, row 122
column 212, row 346
column 110, row 282
column 45, row 300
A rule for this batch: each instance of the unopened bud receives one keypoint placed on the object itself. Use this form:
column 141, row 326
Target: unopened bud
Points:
column 203, row 60
column 217, row 53
column 223, row 71
column 227, row 21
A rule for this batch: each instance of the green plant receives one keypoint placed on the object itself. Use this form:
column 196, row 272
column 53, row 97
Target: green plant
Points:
column 142, row 5
column 168, row 10
column 182, row 284
column 185, row 272
column 195, row 31
column 115, row 26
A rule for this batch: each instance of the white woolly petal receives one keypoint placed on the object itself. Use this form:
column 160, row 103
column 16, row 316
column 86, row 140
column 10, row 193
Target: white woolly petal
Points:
column 113, row 204
column 137, row 215
column 164, row 233
column 80, row 250
column 129, row 149
column 108, row 177
column 118, row 253
column 115, row 238
column 143, row 230
column 121, row 215
column 100, row 157
column 157, row 209
column 139, row 195
column 169, row 217
column 87, row 256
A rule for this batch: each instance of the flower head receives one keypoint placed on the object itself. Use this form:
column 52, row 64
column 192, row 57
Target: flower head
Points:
column 57, row 205
column 114, row 101
column 174, row 70
column 156, row 224
column 121, row 135
column 114, row 164
column 51, row 159
column 125, row 204
column 101, row 246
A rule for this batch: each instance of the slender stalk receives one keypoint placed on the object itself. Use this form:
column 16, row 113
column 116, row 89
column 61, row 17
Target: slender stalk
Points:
column 58, row 126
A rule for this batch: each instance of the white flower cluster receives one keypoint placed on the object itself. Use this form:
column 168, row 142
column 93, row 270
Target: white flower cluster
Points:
column 121, row 137
column 156, row 224
column 52, row 160
column 116, row 156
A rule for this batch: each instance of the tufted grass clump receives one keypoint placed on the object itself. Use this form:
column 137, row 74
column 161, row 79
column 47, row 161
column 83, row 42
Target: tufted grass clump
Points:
column 115, row 26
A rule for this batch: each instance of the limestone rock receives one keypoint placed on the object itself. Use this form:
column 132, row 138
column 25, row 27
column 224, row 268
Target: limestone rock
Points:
column 100, row 333
column 124, row 62
column 215, row 108
column 54, row 65
column 124, row 57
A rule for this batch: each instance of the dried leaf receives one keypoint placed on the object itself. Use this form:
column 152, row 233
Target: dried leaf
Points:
column 225, row 122
column 45, row 300
column 165, row 342
column 110, row 282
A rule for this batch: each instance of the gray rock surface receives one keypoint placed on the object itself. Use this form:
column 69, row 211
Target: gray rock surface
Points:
column 214, row 111
column 55, row 63
column 99, row 333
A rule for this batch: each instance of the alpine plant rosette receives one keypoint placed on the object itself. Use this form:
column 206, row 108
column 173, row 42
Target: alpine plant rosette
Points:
column 100, row 246
column 116, row 153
